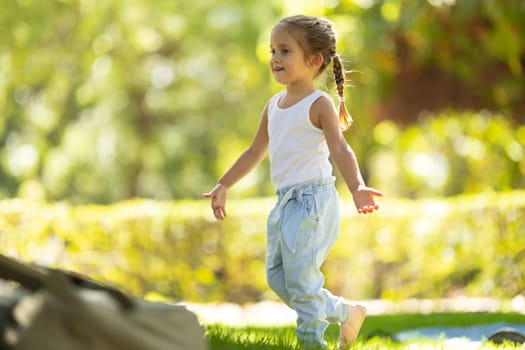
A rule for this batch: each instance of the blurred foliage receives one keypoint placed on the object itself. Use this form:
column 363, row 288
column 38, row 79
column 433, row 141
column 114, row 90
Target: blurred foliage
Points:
column 447, row 154
column 468, row 245
column 107, row 100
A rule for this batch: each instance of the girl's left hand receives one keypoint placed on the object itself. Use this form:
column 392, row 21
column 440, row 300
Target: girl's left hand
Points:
column 364, row 199
column 218, row 201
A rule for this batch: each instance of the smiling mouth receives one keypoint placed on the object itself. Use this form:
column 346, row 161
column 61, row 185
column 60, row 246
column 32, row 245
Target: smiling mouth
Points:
column 276, row 70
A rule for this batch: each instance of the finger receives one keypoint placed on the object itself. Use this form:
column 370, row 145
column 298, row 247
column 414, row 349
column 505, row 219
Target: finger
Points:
column 375, row 192
column 373, row 207
column 217, row 213
column 208, row 194
column 367, row 209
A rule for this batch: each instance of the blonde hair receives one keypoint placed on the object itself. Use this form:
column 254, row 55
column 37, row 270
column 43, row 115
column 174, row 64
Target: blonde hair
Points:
column 317, row 35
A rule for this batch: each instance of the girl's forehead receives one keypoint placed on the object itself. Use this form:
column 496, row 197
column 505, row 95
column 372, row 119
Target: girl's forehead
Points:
column 281, row 35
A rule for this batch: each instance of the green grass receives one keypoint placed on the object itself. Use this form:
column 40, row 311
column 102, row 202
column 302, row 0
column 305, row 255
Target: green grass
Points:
column 373, row 335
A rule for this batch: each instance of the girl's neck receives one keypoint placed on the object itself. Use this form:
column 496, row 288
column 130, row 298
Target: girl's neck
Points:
column 300, row 89
column 294, row 95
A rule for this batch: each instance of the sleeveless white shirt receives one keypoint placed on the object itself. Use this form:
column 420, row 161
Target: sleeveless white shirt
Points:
column 298, row 149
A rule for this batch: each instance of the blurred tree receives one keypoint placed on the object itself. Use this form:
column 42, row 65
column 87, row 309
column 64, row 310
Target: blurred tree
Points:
column 110, row 100
column 105, row 100
column 467, row 55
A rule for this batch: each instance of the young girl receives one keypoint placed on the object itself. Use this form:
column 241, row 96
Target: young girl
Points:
column 301, row 128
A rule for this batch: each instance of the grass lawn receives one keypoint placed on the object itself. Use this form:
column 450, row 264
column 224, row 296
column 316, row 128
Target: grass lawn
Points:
column 372, row 335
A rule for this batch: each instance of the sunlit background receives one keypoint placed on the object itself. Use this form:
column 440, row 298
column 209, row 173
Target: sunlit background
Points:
column 108, row 100
column 138, row 106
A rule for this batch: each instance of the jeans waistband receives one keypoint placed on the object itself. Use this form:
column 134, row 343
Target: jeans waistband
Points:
column 312, row 186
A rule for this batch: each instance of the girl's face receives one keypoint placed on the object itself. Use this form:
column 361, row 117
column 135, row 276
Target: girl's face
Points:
column 288, row 62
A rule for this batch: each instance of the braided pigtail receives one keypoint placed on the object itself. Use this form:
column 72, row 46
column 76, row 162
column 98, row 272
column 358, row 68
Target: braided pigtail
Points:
column 345, row 119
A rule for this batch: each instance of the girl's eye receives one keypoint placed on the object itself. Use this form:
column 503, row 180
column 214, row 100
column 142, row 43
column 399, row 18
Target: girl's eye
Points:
column 282, row 51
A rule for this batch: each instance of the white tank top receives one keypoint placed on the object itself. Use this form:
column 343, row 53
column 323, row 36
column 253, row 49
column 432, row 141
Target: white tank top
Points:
column 298, row 149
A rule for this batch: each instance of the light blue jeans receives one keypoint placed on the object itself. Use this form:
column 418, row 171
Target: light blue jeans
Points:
column 302, row 228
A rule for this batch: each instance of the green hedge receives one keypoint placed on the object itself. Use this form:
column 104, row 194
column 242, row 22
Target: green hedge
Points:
column 472, row 245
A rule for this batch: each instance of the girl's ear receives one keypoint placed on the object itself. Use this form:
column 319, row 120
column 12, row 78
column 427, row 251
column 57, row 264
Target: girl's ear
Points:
column 316, row 60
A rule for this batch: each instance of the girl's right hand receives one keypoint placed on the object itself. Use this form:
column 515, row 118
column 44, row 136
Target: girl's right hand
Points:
column 218, row 201
column 364, row 199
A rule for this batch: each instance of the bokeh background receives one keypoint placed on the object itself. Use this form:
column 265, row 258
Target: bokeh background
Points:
column 116, row 115
column 108, row 100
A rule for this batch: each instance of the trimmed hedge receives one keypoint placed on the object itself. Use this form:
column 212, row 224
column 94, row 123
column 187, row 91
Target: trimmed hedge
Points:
column 469, row 245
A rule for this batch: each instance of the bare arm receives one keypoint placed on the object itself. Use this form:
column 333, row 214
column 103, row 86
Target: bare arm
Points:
column 324, row 115
column 252, row 156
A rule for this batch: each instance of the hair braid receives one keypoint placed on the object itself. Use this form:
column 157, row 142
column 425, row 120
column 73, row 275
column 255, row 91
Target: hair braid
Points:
column 345, row 119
